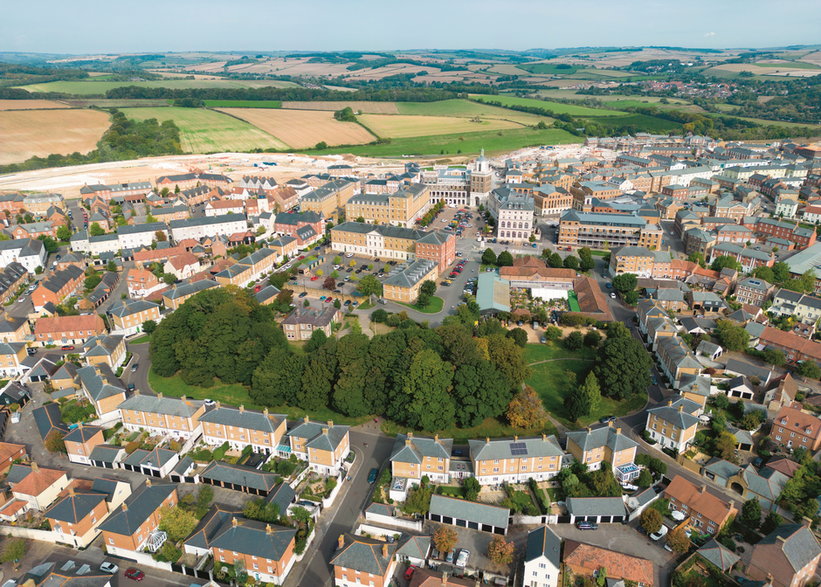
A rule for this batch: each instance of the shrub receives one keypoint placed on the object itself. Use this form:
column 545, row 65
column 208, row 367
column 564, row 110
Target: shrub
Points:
column 132, row 446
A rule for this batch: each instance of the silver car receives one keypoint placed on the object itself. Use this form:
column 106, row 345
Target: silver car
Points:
column 462, row 559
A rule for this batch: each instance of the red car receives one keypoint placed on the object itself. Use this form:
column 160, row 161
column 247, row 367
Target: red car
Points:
column 314, row 278
column 135, row 574
column 67, row 347
column 328, row 300
column 409, row 572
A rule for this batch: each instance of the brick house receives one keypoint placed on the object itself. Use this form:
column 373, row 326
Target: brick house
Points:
column 793, row 428
column 128, row 316
column 55, row 288
column 787, row 557
column 414, row 457
column 162, row 415
column 515, row 461
column 302, row 322
column 142, row 283
column 604, row 445
column 127, row 529
column 240, row 428
column 64, row 330
column 706, row 512
column 103, row 389
column 81, row 441
column 363, row 561
column 10, row 452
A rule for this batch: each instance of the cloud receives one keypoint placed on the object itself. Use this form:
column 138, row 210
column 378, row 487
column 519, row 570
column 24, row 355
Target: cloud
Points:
column 710, row 34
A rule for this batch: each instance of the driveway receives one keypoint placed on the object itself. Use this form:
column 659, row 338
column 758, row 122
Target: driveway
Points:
column 139, row 378
column 314, row 570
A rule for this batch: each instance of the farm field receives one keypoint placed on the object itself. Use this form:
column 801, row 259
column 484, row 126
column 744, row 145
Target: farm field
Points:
column 402, row 126
column 92, row 88
column 301, row 129
column 468, row 109
column 549, row 68
column 29, row 133
column 471, row 143
column 30, row 104
column 556, row 107
column 243, row 103
column 647, row 123
column 206, row 131
column 361, row 106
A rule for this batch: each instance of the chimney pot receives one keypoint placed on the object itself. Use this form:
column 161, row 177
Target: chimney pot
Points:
column 680, row 408
column 618, row 430
column 669, row 402
column 159, row 394
column 241, row 408
column 125, row 507
column 268, row 529
column 340, row 542
column 265, row 412
column 35, row 467
column 703, row 488
column 487, row 439
column 148, row 482
column 435, row 438
column 306, row 419
column 330, row 423
column 183, row 398
column 234, row 522
column 515, row 437
column 219, row 404
column 384, row 551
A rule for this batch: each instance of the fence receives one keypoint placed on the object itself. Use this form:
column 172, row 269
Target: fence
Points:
column 414, row 525
column 375, row 530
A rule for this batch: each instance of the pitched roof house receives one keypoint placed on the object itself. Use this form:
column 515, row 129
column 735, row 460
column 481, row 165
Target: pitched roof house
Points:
column 129, row 527
column 543, row 558
column 586, row 559
column 788, row 556
column 324, row 446
column 707, row 512
column 363, row 560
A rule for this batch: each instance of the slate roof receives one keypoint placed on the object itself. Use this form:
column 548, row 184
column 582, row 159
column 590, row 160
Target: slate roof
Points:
column 768, row 483
column 161, row 405
column 313, row 433
column 155, row 458
column 282, row 495
column 681, row 419
column 415, row 547
column 215, row 521
column 542, row 446
column 240, row 475
column 480, row 513
column 105, row 453
column 364, row 555
column 795, row 545
column 596, row 506
column 600, row 437
column 82, row 433
column 190, row 288
column 73, row 508
column 748, row 369
column 127, row 307
column 382, row 229
column 413, row 449
column 719, row 555
column 411, row 274
column 544, row 542
column 140, row 505
column 100, row 381
column 248, row 419
column 48, row 418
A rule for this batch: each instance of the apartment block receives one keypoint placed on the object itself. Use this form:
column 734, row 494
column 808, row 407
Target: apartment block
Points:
column 516, row 460
column 405, row 283
column 400, row 208
column 588, row 229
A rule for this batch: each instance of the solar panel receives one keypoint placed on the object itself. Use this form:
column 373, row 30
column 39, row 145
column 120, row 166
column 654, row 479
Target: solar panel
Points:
column 518, row 449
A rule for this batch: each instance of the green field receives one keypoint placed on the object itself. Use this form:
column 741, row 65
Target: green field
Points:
column 206, row 131
column 467, row 109
column 243, row 103
column 644, row 122
column 535, row 353
column 549, row 68
column 461, row 144
column 789, row 65
column 556, row 107
column 93, row 88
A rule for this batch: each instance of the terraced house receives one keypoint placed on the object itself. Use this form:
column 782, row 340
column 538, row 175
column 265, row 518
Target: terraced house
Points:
column 605, row 445
column 176, row 296
column 324, row 446
column 240, row 428
column 75, row 518
column 74, row 330
column 400, row 208
column 329, row 200
column 103, row 389
column 127, row 530
column 57, row 287
column 415, row 457
column 515, row 461
column 162, row 415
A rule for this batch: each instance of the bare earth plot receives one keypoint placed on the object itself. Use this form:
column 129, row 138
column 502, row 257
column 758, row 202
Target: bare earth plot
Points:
column 29, row 133
column 366, row 107
column 30, row 105
column 206, row 131
column 301, row 129
column 401, row 126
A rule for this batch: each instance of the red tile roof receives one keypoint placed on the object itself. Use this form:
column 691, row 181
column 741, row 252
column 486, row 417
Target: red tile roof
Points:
column 60, row 324
column 585, row 559
column 699, row 500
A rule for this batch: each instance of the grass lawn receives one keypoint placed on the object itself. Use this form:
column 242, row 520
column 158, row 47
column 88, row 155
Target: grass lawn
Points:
column 643, row 121
column 236, row 395
column 468, row 143
column 206, row 131
column 597, row 253
column 490, row 428
column 551, row 382
column 434, row 306
column 535, row 353
column 556, row 107
column 140, row 339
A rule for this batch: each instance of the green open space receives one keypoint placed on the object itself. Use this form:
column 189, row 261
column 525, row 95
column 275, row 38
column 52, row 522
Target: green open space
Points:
column 469, row 143
column 243, row 103
column 644, row 122
column 490, row 428
column 549, row 68
column 556, row 107
column 535, row 353
column 236, row 394
column 206, row 131
column 99, row 88
column 434, row 306
column 467, row 109
column 552, row 382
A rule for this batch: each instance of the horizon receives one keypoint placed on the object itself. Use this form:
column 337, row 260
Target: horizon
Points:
column 367, row 25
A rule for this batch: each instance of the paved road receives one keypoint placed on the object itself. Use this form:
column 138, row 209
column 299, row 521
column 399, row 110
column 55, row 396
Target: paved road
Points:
column 140, row 377
column 314, row 570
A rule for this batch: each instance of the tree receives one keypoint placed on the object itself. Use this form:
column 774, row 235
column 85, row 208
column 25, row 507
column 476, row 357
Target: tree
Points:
column 329, row 283
column 591, row 390
column 111, row 267
column 177, row 522
column 63, row 233
column 371, row 286
column 623, row 366
column 481, row 391
column 505, row 259
column 14, row 549
column 808, row 369
column 519, row 336
column 571, row 262
column 781, row 272
column 725, row 261
column 318, row 338
column 489, row 257
column 552, row 333
column 282, row 303
column 149, row 326
column 444, row 538
column 427, row 383
column 471, row 488
column 751, row 513
column 379, row 315
column 428, row 287
column 645, row 478
column 625, row 282
column 586, row 262
column 169, row 278
column 732, row 336
column 54, row 442
column 160, row 236
column 573, row 341
column 576, row 405
column 765, row 273
column 555, row 260
column 725, row 446
column 678, row 541
column 526, row 410
column 49, row 244
column 500, row 551
column 651, row 520
column 95, row 229
column 631, row 298
column 592, row 339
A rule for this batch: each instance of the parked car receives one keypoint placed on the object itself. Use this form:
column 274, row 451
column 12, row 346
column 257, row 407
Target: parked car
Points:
column 134, row 367
column 662, row 532
column 131, row 387
column 67, row 347
column 372, row 475
column 209, row 402
column 303, row 294
column 135, row 574
column 409, row 572
column 613, row 295
column 462, row 559
column 450, row 556
column 607, row 419
column 583, row 525
column 109, row 567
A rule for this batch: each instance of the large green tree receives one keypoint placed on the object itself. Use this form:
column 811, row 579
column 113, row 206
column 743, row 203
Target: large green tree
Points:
column 481, row 391
column 427, row 387
column 625, row 282
column 623, row 367
column 732, row 336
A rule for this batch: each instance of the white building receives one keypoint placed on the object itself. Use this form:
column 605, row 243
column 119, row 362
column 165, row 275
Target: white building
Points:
column 786, row 207
column 542, row 558
column 198, row 228
column 513, row 213
column 140, row 235
column 29, row 252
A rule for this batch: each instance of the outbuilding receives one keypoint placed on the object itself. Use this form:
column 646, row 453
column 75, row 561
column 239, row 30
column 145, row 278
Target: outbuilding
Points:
column 596, row 509
column 468, row 514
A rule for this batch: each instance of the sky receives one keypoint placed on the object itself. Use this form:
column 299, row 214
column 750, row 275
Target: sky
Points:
column 126, row 26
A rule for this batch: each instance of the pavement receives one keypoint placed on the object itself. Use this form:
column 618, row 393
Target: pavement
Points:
column 341, row 517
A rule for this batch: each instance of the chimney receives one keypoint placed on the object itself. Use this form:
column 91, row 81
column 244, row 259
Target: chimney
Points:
column 669, row 402
column 340, row 542
column 219, row 404
column 680, row 407
column 384, row 551
column 325, row 430
column 265, row 412
column 515, row 438
column 409, row 439
column 159, row 394
column 544, row 437
column 435, row 438
column 487, row 439
column 125, row 507
column 703, row 488
column 241, row 408
column 234, row 522
column 148, row 482
column 618, row 430
column 611, row 424
column 80, row 425
column 805, row 521
column 35, row 467
column 306, row 419
column 444, row 578
column 268, row 529
column 71, row 491
column 330, row 423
